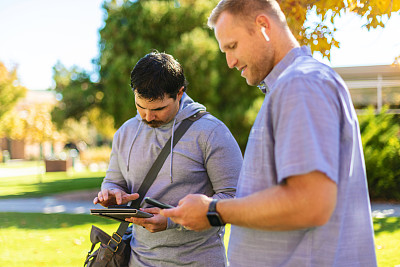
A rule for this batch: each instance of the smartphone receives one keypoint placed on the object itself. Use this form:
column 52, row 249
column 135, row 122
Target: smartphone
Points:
column 157, row 203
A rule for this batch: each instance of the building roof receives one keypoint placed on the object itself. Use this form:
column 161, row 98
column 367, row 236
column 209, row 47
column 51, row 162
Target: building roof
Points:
column 362, row 77
column 387, row 72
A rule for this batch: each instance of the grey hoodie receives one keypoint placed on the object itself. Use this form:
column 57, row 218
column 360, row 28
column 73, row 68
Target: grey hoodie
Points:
column 207, row 160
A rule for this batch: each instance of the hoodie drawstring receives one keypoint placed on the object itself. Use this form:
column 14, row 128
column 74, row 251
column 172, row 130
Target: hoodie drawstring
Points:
column 130, row 148
column 171, row 152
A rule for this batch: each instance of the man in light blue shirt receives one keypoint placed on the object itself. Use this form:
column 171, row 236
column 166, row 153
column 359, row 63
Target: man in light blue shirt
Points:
column 302, row 195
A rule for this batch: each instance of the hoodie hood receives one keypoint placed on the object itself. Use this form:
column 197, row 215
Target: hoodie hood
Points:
column 187, row 108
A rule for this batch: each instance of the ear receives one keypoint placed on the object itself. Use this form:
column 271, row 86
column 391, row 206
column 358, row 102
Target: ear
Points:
column 263, row 21
column 180, row 94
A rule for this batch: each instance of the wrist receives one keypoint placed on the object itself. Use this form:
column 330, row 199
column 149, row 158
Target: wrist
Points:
column 213, row 216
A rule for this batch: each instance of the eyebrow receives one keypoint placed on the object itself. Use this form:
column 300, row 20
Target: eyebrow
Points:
column 155, row 109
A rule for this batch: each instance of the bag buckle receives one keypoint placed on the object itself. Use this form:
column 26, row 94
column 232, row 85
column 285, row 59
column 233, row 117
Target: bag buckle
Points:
column 115, row 234
column 113, row 239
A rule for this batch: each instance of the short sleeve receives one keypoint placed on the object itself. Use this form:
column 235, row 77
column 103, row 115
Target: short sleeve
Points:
column 306, row 125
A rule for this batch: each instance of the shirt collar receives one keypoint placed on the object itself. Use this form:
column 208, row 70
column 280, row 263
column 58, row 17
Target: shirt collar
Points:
column 290, row 57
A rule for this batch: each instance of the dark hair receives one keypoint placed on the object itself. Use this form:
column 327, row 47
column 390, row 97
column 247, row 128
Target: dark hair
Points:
column 157, row 74
column 246, row 9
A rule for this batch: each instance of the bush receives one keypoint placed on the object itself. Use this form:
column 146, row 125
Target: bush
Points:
column 95, row 155
column 381, row 143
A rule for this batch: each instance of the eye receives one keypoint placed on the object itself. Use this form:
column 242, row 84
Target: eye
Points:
column 232, row 46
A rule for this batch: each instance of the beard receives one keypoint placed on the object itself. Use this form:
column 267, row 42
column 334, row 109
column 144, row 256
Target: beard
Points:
column 261, row 67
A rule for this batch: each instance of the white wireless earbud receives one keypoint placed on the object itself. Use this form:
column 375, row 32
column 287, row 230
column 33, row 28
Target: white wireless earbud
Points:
column 265, row 34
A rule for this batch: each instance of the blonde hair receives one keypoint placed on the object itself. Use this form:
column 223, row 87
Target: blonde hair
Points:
column 246, row 9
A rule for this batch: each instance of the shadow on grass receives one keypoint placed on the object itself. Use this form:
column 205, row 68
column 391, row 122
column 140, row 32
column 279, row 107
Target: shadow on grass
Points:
column 48, row 221
column 58, row 186
column 386, row 225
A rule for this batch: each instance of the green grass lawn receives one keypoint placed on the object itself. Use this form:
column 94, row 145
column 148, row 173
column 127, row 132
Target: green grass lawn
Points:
column 49, row 183
column 31, row 239
column 21, row 164
column 63, row 239
column 387, row 241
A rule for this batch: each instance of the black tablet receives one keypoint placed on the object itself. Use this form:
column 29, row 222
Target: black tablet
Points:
column 120, row 214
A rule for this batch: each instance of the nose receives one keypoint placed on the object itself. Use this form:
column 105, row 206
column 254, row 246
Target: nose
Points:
column 231, row 60
column 149, row 115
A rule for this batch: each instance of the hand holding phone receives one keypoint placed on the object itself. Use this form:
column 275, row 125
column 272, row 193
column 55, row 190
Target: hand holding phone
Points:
column 157, row 203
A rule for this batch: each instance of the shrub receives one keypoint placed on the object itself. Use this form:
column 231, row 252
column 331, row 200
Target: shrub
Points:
column 95, row 155
column 381, row 143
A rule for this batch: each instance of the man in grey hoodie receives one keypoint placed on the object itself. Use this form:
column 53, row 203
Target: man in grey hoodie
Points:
column 206, row 160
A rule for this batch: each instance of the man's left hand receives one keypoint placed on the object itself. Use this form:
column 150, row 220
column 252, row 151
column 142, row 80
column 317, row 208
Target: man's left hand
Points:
column 154, row 224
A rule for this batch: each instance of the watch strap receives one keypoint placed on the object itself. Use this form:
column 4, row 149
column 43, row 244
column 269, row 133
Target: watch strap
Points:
column 213, row 206
column 212, row 214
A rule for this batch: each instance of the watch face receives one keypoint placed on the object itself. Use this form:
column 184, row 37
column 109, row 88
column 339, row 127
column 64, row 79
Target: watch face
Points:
column 214, row 219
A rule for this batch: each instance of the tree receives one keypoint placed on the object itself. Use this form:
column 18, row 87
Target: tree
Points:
column 381, row 143
column 78, row 110
column 77, row 91
column 31, row 122
column 10, row 90
column 319, row 35
column 134, row 28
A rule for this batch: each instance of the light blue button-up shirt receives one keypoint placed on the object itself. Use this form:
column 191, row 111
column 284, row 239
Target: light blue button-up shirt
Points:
column 306, row 123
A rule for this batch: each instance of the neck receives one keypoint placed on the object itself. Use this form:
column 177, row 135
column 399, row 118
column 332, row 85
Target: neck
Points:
column 286, row 43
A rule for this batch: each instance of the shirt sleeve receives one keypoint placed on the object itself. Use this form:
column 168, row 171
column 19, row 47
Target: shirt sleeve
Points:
column 306, row 125
column 223, row 161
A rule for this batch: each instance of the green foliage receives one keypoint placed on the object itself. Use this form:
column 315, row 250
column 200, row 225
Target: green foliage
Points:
column 10, row 90
column 381, row 143
column 136, row 28
column 79, row 113
column 78, row 93
column 95, row 155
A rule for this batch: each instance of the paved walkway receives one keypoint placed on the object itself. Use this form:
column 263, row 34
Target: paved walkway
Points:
column 78, row 202
column 81, row 203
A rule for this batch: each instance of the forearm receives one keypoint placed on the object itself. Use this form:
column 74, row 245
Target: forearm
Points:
column 295, row 205
column 270, row 209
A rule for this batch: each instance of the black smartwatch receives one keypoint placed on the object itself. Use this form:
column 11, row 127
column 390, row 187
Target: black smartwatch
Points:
column 213, row 216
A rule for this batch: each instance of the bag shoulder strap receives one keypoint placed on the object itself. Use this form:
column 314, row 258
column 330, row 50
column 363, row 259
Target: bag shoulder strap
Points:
column 156, row 167
column 154, row 170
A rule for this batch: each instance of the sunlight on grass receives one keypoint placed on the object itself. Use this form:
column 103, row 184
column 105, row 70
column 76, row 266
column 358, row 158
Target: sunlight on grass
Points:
column 47, row 239
column 49, row 183
column 63, row 239
column 22, row 164
column 387, row 241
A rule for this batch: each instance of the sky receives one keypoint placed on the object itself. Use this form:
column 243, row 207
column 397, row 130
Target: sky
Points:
column 36, row 34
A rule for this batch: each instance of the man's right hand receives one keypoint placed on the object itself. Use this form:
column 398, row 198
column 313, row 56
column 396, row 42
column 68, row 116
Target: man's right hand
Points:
column 108, row 197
